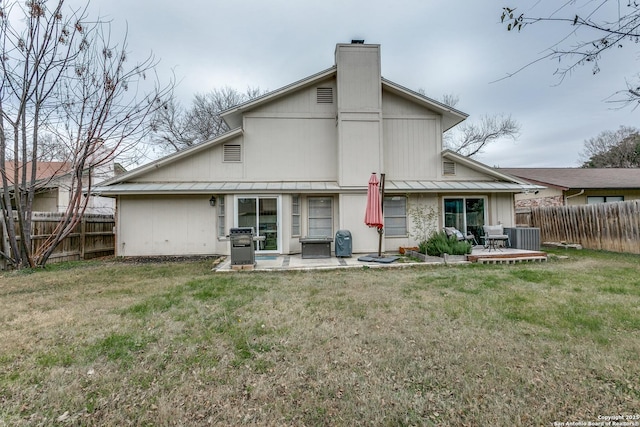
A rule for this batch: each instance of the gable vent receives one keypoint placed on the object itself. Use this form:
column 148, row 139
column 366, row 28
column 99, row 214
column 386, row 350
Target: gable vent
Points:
column 325, row 95
column 448, row 168
column 232, row 153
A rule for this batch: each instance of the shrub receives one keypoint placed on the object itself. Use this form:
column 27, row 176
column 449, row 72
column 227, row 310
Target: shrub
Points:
column 460, row 247
column 439, row 244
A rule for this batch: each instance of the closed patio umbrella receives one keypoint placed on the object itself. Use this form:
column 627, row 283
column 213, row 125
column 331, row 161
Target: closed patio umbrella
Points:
column 373, row 215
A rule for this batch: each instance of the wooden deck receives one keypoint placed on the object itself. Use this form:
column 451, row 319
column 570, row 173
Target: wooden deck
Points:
column 505, row 256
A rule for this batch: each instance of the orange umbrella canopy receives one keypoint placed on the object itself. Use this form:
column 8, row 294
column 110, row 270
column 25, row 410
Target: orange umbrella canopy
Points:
column 373, row 215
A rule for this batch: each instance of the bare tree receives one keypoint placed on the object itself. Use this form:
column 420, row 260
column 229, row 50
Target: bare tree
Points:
column 63, row 78
column 175, row 128
column 602, row 25
column 613, row 149
column 470, row 138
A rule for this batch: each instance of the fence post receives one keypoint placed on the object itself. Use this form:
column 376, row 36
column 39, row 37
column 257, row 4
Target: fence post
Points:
column 82, row 237
column 4, row 240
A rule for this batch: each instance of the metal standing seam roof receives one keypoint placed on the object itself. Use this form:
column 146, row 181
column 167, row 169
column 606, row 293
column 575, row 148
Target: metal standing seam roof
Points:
column 566, row 178
column 305, row 186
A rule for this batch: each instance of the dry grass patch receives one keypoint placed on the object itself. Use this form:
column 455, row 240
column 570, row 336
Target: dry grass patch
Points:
column 162, row 344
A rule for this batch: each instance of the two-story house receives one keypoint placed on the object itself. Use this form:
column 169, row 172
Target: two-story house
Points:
column 297, row 162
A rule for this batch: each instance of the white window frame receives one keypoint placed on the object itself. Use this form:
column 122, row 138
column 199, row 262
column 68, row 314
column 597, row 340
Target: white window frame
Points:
column 237, row 197
column 590, row 199
column 464, row 204
column 296, row 226
column 310, row 219
column 386, row 215
column 221, row 217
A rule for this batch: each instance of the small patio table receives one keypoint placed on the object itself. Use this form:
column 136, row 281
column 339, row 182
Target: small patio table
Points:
column 491, row 241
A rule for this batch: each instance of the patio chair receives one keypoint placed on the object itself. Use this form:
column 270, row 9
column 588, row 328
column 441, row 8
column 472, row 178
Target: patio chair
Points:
column 493, row 234
column 469, row 237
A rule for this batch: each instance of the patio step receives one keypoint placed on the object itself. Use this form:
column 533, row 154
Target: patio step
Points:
column 511, row 260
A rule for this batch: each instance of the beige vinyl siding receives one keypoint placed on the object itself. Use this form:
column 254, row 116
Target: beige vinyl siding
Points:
column 464, row 173
column 359, row 78
column 359, row 118
column 412, row 139
column 46, row 201
column 170, row 225
column 207, row 165
column 303, row 102
column 351, row 217
column 410, row 151
column 360, row 152
column 290, row 149
column 501, row 209
column 395, row 106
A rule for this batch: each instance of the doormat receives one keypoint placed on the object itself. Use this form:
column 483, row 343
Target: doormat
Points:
column 266, row 257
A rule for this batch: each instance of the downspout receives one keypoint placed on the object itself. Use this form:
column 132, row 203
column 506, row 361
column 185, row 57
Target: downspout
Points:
column 581, row 192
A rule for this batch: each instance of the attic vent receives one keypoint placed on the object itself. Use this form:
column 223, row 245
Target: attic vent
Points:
column 448, row 168
column 232, row 153
column 325, row 95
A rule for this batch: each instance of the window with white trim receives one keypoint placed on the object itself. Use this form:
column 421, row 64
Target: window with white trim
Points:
column 320, row 217
column 295, row 215
column 221, row 217
column 467, row 214
column 592, row 200
column 395, row 216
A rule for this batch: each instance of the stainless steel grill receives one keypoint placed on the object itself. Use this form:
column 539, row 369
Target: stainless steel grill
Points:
column 242, row 248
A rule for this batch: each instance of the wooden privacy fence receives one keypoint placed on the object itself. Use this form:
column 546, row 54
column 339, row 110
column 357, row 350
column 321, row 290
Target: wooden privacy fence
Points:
column 523, row 217
column 92, row 237
column 605, row 226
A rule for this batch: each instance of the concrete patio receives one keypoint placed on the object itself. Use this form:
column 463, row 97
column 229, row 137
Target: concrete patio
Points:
column 296, row 262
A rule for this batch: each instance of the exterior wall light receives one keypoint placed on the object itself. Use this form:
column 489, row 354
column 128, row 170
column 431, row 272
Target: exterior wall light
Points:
column 212, row 201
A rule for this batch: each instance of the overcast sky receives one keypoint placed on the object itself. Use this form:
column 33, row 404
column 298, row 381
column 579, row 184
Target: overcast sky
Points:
column 443, row 47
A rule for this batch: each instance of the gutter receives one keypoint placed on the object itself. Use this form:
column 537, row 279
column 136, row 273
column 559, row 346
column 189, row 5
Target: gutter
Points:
column 579, row 193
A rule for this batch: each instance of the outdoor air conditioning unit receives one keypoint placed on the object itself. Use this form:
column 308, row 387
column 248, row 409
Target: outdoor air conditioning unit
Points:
column 524, row 238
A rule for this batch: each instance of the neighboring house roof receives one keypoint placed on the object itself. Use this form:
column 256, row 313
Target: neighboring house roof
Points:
column 450, row 116
column 580, row 178
column 44, row 170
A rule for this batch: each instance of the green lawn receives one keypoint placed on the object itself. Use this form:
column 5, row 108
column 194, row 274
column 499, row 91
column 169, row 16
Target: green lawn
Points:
column 120, row 343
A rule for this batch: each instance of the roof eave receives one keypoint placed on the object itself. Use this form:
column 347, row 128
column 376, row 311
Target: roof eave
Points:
column 451, row 116
column 481, row 167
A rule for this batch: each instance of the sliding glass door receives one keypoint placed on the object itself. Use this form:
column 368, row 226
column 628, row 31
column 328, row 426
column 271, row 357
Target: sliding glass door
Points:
column 261, row 213
column 467, row 214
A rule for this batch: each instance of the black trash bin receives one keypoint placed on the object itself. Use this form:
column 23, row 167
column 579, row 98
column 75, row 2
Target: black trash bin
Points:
column 343, row 243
